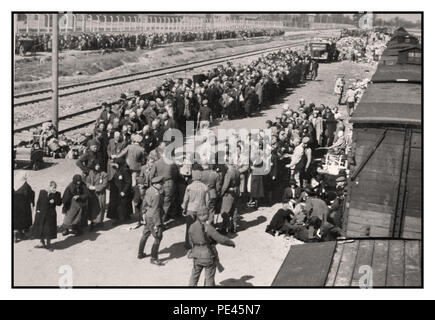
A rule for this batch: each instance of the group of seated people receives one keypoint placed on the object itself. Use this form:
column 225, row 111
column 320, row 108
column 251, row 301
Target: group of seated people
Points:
column 98, row 41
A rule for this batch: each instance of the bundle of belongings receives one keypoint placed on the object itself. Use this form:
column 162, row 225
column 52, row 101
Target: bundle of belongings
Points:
column 45, row 142
column 367, row 48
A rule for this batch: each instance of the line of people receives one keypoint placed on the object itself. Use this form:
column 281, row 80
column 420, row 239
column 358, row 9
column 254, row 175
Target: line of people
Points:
column 98, row 41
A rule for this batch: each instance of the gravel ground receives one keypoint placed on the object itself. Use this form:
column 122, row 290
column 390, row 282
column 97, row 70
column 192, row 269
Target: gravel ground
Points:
column 108, row 257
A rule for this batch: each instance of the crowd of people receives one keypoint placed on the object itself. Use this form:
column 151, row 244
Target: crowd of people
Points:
column 367, row 47
column 99, row 41
column 124, row 159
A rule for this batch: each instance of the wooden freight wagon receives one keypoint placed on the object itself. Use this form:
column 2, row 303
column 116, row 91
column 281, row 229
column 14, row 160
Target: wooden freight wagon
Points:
column 385, row 188
column 359, row 263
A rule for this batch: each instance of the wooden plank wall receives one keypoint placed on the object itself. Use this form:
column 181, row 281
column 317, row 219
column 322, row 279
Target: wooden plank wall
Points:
column 412, row 227
column 393, row 263
column 373, row 194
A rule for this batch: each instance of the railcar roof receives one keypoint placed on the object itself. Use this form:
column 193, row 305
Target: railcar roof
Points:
column 390, row 103
column 410, row 72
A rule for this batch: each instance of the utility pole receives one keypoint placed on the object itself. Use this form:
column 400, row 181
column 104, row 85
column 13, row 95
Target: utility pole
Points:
column 15, row 35
column 54, row 72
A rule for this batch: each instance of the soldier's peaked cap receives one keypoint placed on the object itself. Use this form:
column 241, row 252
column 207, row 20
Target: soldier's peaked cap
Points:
column 157, row 179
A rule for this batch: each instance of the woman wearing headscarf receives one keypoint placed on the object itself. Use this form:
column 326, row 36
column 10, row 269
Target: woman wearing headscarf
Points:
column 75, row 205
column 45, row 226
column 96, row 182
column 24, row 200
column 121, row 194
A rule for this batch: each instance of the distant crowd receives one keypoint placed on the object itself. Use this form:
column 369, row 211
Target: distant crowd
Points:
column 99, row 41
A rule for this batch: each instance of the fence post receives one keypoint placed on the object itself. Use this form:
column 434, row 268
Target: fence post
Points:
column 39, row 22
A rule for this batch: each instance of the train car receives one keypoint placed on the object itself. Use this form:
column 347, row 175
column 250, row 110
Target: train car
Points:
column 358, row 263
column 403, row 55
column 385, row 190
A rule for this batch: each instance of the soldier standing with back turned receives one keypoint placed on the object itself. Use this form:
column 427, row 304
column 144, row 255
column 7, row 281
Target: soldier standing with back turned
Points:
column 152, row 209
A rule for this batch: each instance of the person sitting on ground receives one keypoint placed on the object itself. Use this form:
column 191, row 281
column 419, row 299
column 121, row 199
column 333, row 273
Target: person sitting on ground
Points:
column 280, row 222
column 293, row 192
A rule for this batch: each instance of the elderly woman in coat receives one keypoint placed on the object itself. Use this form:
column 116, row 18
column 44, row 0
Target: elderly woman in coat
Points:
column 45, row 226
column 121, row 195
column 24, row 200
column 96, row 182
column 75, row 206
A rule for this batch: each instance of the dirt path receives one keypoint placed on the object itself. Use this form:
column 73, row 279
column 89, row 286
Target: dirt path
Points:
column 108, row 257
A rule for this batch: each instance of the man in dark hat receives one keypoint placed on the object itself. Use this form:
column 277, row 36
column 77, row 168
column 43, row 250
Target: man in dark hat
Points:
column 106, row 114
column 335, row 215
column 123, row 105
column 86, row 161
column 205, row 117
column 152, row 209
column 203, row 238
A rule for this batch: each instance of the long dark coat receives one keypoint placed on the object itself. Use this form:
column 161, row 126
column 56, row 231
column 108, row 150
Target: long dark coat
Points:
column 121, row 207
column 24, row 197
column 251, row 101
column 257, row 186
column 75, row 210
column 269, row 183
column 45, row 226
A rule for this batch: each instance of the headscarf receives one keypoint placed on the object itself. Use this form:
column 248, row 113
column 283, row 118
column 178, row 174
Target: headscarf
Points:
column 77, row 178
column 20, row 179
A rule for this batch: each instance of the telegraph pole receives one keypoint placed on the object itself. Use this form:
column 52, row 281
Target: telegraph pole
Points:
column 15, row 37
column 54, row 72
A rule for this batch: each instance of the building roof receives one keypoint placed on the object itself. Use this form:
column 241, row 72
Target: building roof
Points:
column 390, row 103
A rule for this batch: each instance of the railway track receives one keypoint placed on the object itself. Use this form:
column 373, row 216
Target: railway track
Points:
column 83, row 118
column 36, row 96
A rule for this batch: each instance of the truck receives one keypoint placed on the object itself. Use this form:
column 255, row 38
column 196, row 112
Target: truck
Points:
column 324, row 51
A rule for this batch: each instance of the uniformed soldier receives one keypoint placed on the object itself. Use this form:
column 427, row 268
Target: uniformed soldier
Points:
column 203, row 238
column 230, row 194
column 152, row 209
column 213, row 182
column 169, row 172
column 196, row 197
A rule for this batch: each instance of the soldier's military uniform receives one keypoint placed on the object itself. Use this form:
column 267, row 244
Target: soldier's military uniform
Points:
column 152, row 209
column 213, row 182
column 230, row 194
column 169, row 173
column 203, row 238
